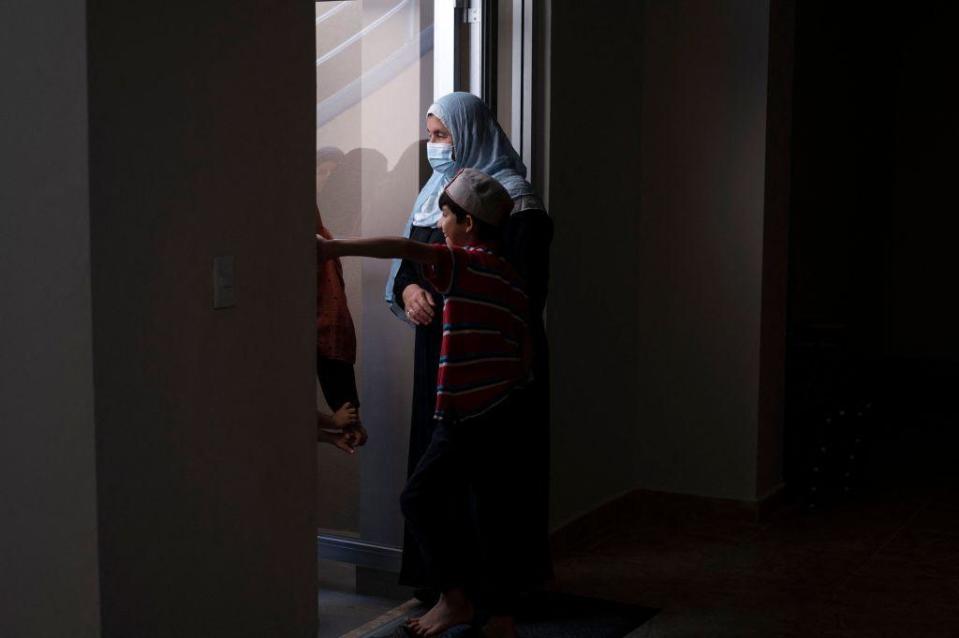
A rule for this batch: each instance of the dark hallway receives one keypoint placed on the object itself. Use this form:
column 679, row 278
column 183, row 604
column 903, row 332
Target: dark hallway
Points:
column 866, row 542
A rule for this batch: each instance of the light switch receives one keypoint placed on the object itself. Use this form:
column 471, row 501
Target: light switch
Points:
column 224, row 282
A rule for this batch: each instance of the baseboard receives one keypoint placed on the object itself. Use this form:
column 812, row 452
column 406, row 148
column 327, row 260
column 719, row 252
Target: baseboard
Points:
column 634, row 508
column 381, row 583
column 360, row 553
column 639, row 507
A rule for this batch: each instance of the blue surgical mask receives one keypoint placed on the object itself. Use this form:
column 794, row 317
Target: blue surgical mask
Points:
column 440, row 157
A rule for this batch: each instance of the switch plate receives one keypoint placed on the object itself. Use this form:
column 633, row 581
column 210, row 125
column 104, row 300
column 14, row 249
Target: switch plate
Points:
column 224, row 282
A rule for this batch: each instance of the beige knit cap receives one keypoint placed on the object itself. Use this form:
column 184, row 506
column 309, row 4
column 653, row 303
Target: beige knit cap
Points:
column 480, row 195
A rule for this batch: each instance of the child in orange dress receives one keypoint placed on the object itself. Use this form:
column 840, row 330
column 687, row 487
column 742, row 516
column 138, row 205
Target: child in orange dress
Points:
column 335, row 356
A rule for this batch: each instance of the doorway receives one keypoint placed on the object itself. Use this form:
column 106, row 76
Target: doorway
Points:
column 871, row 340
column 379, row 65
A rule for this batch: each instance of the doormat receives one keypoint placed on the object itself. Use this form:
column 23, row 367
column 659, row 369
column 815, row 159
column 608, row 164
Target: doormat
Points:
column 544, row 615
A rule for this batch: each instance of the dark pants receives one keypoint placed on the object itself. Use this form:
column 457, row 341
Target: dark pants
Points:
column 461, row 504
column 337, row 381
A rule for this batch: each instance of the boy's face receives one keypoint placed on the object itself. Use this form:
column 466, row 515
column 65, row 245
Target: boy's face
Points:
column 456, row 233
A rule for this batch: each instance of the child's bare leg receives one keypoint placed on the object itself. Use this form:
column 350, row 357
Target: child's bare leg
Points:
column 453, row 608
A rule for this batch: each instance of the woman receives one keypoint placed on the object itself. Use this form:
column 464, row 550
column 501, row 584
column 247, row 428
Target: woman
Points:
column 462, row 133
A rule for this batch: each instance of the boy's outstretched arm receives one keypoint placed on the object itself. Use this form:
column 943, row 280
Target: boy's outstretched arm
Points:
column 378, row 247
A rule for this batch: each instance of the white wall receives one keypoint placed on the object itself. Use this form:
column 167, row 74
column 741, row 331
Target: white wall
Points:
column 657, row 141
column 48, row 535
column 202, row 131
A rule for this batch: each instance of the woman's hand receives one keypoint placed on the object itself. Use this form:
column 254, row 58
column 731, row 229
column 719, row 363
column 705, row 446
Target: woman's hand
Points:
column 419, row 305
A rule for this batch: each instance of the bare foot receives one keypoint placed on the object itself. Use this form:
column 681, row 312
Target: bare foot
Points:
column 453, row 608
column 500, row 627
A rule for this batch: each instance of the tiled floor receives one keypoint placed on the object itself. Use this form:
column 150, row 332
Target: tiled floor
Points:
column 883, row 564
column 341, row 609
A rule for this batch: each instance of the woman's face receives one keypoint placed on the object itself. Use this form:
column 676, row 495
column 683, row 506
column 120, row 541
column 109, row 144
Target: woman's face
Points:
column 436, row 131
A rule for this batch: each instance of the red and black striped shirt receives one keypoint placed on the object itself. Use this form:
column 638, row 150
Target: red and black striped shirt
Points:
column 485, row 349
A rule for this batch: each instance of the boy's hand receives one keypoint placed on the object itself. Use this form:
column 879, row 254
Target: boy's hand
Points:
column 323, row 248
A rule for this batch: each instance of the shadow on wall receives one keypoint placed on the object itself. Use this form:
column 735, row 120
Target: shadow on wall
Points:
column 353, row 189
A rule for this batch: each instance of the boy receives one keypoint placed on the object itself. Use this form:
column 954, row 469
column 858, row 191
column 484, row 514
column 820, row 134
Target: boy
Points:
column 484, row 366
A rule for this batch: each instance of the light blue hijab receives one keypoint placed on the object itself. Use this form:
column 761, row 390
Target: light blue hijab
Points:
column 478, row 142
